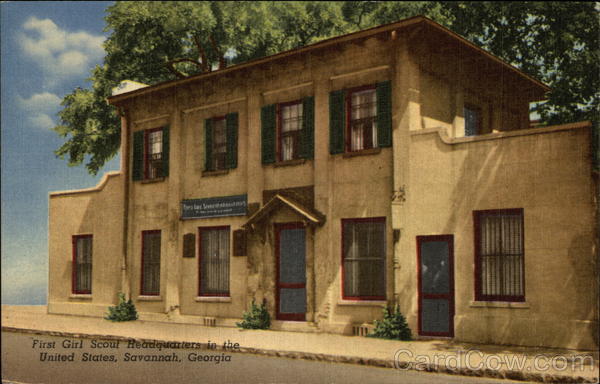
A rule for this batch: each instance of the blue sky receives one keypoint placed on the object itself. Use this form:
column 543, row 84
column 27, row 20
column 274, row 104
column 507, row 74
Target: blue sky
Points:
column 48, row 49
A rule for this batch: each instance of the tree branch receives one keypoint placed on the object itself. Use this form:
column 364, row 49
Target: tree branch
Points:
column 205, row 66
column 222, row 63
column 171, row 66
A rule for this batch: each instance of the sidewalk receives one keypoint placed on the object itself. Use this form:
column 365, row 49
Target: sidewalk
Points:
column 515, row 363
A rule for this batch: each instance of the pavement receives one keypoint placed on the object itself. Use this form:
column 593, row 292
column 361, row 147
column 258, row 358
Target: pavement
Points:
column 443, row 356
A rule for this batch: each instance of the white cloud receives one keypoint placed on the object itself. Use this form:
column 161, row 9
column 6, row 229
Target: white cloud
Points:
column 40, row 108
column 59, row 53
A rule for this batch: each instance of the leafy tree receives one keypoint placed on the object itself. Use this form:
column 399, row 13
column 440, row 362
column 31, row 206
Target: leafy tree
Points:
column 151, row 42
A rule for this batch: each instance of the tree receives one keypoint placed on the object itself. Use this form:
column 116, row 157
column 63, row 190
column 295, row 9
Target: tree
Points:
column 151, row 42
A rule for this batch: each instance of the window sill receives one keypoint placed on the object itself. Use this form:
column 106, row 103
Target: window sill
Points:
column 364, row 152
column 213, row 299
column 287, row 163
column 363, row 303
column 218, row 172
column 499, row 304
column 81, row 296
column 150, row 181
column 149, row 298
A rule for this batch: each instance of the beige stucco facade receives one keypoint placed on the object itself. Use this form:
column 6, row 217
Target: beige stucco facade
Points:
column 428, row 182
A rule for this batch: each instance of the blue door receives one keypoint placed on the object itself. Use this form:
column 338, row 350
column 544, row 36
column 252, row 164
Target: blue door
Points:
column 436, row 285
column 290, row 244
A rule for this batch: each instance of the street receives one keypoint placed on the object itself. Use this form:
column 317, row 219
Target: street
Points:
column 30, row 358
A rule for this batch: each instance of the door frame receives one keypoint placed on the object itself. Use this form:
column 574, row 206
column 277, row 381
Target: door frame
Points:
column 420, row 296
column 287, row 316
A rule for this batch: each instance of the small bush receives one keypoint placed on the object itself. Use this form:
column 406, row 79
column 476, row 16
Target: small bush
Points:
column 256, row 318
column 124, row 311
column 392, row 326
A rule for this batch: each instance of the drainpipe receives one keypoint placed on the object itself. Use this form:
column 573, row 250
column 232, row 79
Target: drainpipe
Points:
column 125, row 284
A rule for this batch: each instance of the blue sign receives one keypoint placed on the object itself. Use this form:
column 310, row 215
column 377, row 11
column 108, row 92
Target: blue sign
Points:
column 214, row 207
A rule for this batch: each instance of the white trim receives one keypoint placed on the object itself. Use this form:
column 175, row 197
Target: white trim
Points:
column 138, row 122
column 81, row 296
column 207, row 106
column 213, row 299
column 149, row 298
column 362, row 303
column 499, row 304
column 362, row 71
column 307, row 84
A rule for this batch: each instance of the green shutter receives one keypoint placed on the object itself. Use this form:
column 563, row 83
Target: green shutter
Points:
column 208, row 144
column 165, row 151
column 337, row 121
column 138, row 156
column 231, row 122
column 307, row 136
column 384, row 114
column 268, row 126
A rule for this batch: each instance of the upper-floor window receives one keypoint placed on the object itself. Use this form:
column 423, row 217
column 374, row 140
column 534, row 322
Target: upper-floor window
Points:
column 150, row 263
column 362, row 106
column 473, row 120
column 82, row 264
column 287, row 131
column 151, row 154
column 290, row 129
column 221, row 142
column 360, row 118
column 499, row 255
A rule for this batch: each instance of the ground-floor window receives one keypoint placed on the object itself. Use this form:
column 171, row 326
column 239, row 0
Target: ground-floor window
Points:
column 214, row 261
column 499, row 255
column 150, row 263
column 363, row 254
column 82, row 264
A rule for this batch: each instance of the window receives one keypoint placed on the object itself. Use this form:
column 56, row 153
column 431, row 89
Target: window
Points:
column 363, row 254
column 82, row 264
column 221, row 142
column 214, row 261
column 154, row 154
column 150, row 263
column 290, row 126
column 472, row 116
column 362, row 125
column 499, row 255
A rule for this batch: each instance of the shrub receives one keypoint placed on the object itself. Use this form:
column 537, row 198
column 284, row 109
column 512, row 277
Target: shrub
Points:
column 256, row 318
column 124, row 311
column 392, row 326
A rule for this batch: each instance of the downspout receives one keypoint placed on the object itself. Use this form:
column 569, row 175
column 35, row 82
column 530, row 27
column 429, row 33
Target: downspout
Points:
column 125, row 284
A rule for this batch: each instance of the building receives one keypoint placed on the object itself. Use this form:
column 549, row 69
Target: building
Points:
column 391, row 165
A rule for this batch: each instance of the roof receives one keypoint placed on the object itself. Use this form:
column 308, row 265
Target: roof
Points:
column 413, row 21
column 310, row 215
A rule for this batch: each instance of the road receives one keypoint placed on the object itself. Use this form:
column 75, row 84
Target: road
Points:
column 22, row 356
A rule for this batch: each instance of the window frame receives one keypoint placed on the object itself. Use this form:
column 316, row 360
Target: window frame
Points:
column 279, row 131
column 213, row 147
column 199, row 246
column 74, row 284
column 479, row 296
column 348, row 124
column 147, row 133
column 142, row 291
column 382, row 220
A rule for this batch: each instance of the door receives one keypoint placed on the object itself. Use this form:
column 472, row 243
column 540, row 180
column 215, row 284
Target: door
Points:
column 290, row 249
column 435, row 260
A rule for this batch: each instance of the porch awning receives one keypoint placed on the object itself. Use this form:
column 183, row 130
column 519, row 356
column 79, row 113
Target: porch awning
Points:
column 312, row 216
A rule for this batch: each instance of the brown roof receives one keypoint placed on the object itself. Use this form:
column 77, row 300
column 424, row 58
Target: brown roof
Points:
column 413, row 21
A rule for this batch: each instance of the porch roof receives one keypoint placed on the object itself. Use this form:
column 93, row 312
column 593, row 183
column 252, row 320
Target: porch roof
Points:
column 312, row 216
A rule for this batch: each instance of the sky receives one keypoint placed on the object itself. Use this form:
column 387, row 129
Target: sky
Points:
column 47, row 50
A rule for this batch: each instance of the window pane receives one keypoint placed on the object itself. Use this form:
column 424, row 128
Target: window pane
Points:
column 364, row 258
column 83, row 264
column 154, row 154
column 151, row 264
column 214, row 266
column 291, row 124
column 472, row 121
column 363, row 124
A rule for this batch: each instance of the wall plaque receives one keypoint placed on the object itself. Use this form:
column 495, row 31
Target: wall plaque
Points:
column 214, row 207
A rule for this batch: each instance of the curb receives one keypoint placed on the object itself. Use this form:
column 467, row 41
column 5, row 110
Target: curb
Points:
column 383, row 363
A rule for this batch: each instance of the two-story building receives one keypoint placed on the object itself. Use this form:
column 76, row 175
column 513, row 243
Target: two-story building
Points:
column 391, row 165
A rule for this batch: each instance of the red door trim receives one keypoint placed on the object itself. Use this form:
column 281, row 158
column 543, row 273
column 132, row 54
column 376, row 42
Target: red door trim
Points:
column 286, row 316
column 450, row 296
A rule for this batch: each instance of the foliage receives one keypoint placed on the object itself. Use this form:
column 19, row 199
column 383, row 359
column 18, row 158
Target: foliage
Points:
column 256, row 318
column 392, row 326
column 151, row 42
column 124, row 311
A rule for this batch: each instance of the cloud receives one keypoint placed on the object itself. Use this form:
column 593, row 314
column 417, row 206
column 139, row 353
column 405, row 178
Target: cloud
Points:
column 40, row 108
column 60, row 54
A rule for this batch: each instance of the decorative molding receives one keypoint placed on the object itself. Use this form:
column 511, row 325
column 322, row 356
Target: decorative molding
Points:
column 142, row 121
column 217, row 104
column 399, row 195
column 361, row 72
column 271, row 92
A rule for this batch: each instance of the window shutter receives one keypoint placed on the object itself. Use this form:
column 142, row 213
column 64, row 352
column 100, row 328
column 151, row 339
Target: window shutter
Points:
column 165, row 151
column 268, row 126
column 208, row 145
column 384, row 114
column 307, row 138
column 231, row 122
column 337, row 122
column 138, row 156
